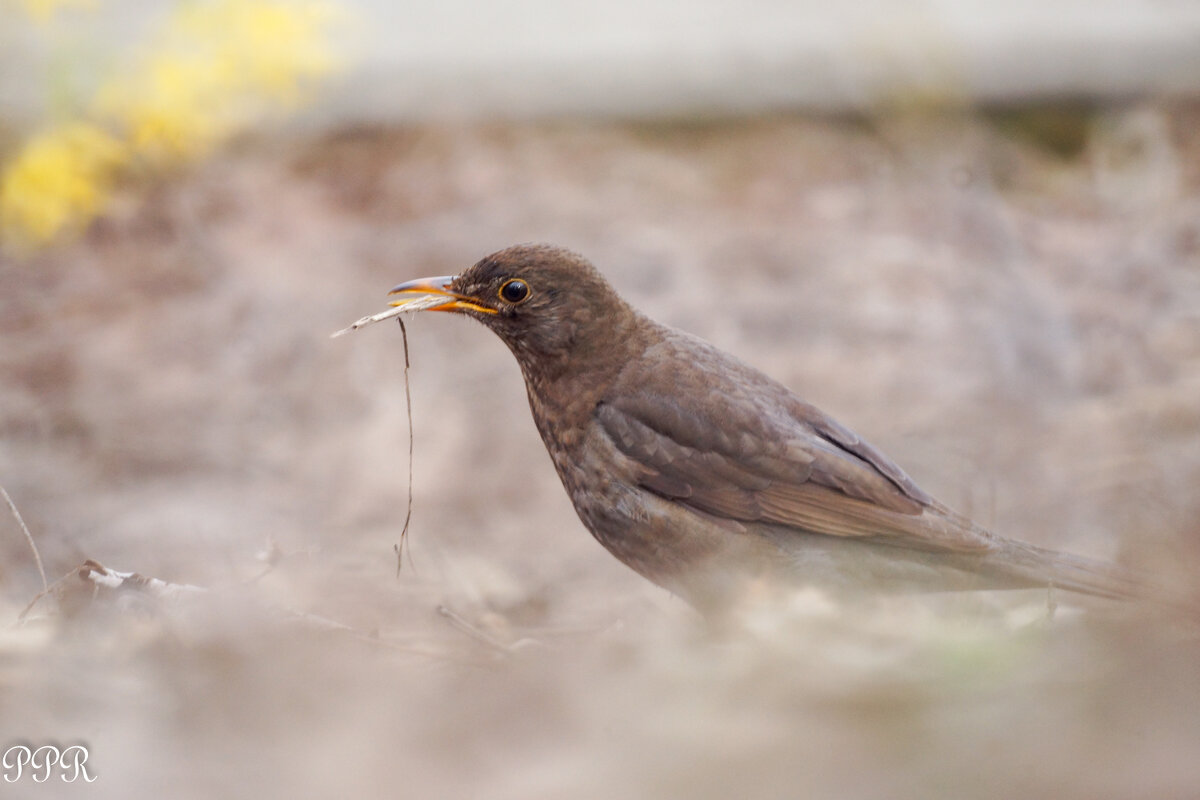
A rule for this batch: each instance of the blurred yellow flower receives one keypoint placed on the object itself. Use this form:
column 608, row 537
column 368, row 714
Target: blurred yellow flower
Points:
column 59, row 180
column 178, row 107
column 273, row 48
column 215, row 67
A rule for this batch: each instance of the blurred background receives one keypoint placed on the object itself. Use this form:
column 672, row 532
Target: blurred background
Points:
column 970, row 231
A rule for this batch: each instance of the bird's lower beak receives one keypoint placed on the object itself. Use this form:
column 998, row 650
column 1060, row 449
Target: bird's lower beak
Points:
column 438, row 286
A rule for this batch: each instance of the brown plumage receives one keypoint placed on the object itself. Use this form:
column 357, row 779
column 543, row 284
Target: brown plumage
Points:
column 705, row 475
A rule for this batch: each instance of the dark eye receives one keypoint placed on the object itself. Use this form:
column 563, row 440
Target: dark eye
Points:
column 514, row 291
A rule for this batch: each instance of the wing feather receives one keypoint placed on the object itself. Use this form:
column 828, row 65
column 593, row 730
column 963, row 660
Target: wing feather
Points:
column 797, row 469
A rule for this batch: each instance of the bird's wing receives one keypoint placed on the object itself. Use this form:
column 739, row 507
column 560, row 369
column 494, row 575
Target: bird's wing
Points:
column 781, row 462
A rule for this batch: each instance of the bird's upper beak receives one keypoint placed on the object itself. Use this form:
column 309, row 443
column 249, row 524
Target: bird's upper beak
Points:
column 439, row 286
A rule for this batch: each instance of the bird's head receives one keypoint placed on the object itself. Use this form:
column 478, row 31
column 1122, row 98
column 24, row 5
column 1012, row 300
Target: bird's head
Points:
column 549, row 305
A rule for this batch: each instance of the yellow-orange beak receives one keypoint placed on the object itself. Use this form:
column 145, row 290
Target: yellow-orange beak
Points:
column 439, row 286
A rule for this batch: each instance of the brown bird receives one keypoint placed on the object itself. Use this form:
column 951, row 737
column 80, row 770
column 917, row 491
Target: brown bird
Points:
column 706, row 476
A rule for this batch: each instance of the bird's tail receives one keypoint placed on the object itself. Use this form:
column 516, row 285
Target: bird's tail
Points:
column 1041, row 566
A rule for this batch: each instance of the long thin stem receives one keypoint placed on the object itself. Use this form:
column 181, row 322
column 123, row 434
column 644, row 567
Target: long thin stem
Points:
column 38, row 556
column 408, row 404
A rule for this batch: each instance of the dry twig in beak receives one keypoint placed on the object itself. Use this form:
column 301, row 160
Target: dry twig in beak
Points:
column 422, row 303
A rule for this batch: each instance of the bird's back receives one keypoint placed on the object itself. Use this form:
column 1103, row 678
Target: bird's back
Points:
column 709, row 454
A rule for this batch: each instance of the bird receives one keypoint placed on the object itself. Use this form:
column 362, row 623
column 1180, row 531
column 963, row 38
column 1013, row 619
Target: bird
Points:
column 706, row 476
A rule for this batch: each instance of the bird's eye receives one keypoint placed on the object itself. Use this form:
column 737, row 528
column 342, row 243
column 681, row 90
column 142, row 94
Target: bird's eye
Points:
column 514, row 291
